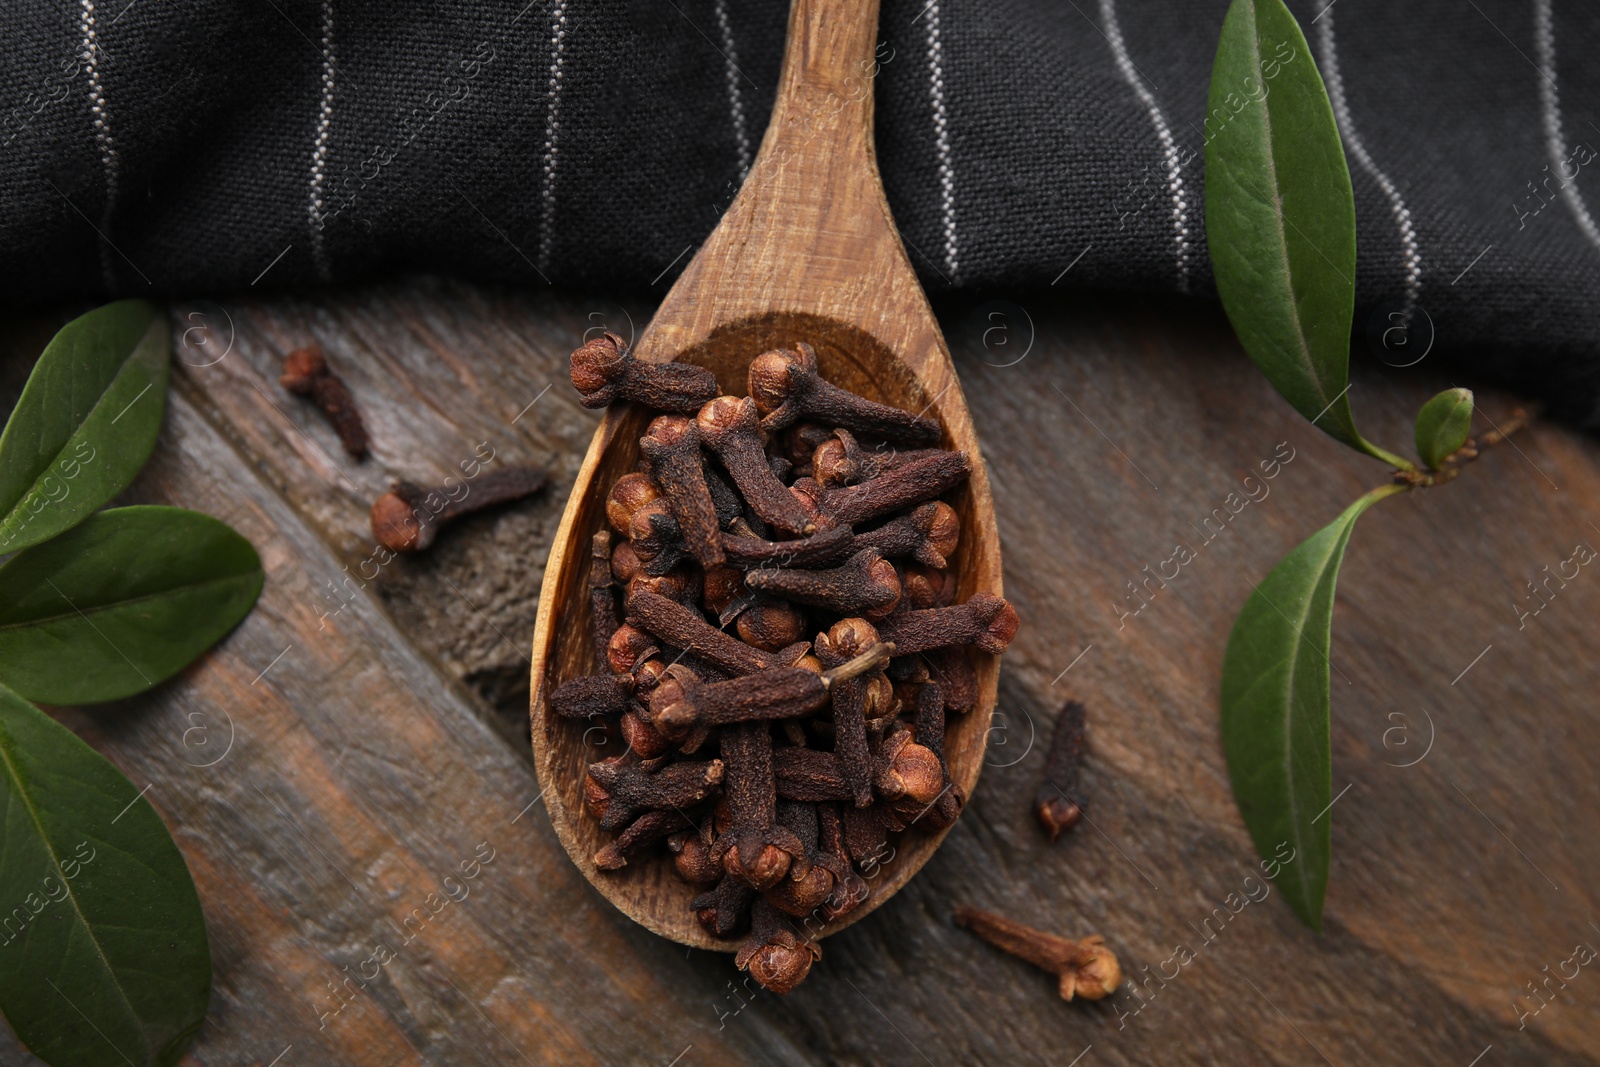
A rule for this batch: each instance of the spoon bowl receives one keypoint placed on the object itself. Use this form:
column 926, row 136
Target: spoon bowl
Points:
column 808, row 251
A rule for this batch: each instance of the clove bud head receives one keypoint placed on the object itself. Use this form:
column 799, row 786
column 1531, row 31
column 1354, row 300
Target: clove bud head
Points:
column 1097, row 975
column 301, row 368
column 395, row 524
column 631, row 492
column 597, row 364
column 771, row 863
column 800, row 897
column 1057, row 814
column 692, row 858
column 783, row 962
column 911, row 771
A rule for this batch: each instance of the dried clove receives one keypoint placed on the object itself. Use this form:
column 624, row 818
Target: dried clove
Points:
column 785, row 386
column 847, row 640
column 866, row 584
column 671, row 447
column 408, row 517
column 745, row 550
column 1059, row 804
column 755, row 848
column 840, row 460
column 985, row 621
column 306, row 373
column 776, row 956
column 928, row 535
column 778, row 693
column 603, row 695
column 911, row 483
column 1087, row 969
column 730, row 427
column 685, row 628
column 646, row 830
column 603, row 370
column 618, row 789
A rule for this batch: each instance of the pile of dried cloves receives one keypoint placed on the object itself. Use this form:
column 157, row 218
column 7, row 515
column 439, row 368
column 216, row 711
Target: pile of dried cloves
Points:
column 785, row 648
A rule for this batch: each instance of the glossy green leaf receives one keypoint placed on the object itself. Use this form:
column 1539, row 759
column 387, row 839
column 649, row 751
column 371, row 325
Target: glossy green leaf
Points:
column 85, row 423
column 121, row 602
column 1442, row 425
column 104, row 960
column 1275, row 709
column 1280, row 216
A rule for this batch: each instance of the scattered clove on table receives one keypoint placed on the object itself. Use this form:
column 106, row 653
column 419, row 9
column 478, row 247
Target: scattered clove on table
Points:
column 1087, row 969
column 741, row 604
column 1059, row 804
column 407, row 518
column 306, row 373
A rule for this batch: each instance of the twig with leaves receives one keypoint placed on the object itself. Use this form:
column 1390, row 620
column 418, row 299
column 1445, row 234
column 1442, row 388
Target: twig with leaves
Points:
column 1281, row 227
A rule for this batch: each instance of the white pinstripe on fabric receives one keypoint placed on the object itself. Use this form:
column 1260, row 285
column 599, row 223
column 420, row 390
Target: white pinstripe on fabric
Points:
column 741, row 138
column 1170, row 161
column 941, row 141
column 109, row 160
column 1550, row 116
column 552, row 135
column 1410, row 254
column 319, row 146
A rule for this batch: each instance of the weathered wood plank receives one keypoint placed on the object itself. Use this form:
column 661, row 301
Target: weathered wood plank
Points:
column 369, row 752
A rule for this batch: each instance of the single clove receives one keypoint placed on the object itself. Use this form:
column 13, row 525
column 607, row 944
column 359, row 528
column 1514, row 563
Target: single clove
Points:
column 755, row 848
column 408, row 517
column 778, row 693
column 1087, row 969
column 776, row 956
column 914, row 482
column 1059, row 804
column 866, row 584
column 685, row 628
column 840, row 460
column 604, row 370
column 850, row 640
column 746, row 550
column 646, row 830
column 786, row 386
column 619, row 789
column 730, row 427
column 671, row 447
column 306, row 373
column 985, row 621
column 928, row 535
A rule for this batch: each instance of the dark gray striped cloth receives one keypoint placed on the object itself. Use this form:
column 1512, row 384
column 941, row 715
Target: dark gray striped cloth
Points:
column 179, row 146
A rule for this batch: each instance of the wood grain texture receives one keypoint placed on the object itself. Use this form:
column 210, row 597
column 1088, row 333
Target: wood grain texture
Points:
column 807, row 252
column 375, row 750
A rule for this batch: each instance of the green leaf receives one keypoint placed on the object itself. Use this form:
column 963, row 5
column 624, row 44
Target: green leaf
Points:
column 104, row 960
column 86, row 421
column 1280, row 216
column 1442, row 425
column 121, row 602
column 1275, row 709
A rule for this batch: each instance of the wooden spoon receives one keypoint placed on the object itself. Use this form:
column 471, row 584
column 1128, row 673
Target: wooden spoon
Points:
column 807, row 252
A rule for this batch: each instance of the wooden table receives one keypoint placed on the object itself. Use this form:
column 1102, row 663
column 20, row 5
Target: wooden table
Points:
column 362, row 735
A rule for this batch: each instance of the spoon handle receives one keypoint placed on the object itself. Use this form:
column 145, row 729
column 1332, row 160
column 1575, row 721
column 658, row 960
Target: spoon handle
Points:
column 823, row 110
